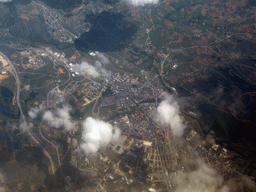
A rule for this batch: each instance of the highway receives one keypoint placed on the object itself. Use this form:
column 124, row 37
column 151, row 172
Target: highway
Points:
column 15, row 73
column 102, row 90
column 56, row 147
column 33, row 137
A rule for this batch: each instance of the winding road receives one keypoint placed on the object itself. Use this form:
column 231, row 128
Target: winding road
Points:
column 15, row 73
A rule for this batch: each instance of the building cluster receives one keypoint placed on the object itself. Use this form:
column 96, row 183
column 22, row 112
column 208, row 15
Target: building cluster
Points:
column 122, row 161
column 145, row 151
column 70, row 67
column 29, row 59
column 61, row 58
column 127, row 91
column 55, row 28
column 55, row 97
column 87, row 93
column 106, row 167
column 3, row 66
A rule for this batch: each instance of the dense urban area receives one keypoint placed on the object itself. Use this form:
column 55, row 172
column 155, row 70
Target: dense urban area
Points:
column 153, row 116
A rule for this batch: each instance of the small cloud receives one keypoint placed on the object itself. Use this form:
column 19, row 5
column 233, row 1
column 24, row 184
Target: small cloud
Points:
column 27, row 87
column 24, row 126
column 33, row 112
column 168, row 114
column 2, row 183
column 93, row 71
column 59, row 118
column 241, row 184
column 141, row 2
column 96, row 134
column 4, row 1
column 204, row 178
column 103, row 72
column 229, row 99
column 103, row 59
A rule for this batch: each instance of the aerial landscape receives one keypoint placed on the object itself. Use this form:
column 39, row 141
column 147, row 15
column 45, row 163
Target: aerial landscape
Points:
column 127, row 95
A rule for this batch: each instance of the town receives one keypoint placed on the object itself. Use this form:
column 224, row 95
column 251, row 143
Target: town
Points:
column 146, row 153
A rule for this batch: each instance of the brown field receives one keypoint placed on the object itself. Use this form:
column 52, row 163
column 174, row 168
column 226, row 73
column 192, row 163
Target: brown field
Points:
column 2, row 77
column 61, row 71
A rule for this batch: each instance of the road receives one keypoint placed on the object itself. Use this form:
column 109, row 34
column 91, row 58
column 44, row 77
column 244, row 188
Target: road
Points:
column 102, row 90
column 56, row 147
column 22, row 116
column 33, row 137
column 18, row 83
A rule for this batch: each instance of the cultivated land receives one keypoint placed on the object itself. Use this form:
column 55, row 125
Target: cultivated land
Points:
column 179, row 48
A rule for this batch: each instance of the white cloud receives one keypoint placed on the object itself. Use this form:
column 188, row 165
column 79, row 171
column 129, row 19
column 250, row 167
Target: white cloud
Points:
column 141, row 2
column 197, row 176
column 96, row 134
column 2, row 181
column 168, row 113
column 5, row 1
column 95, row 71
column 33, row 112
column 203, row 179
column 102, row 58
column 103, row 72
column 241, row 184
column 24, row 126
column 59, row 118
column 27, row 87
